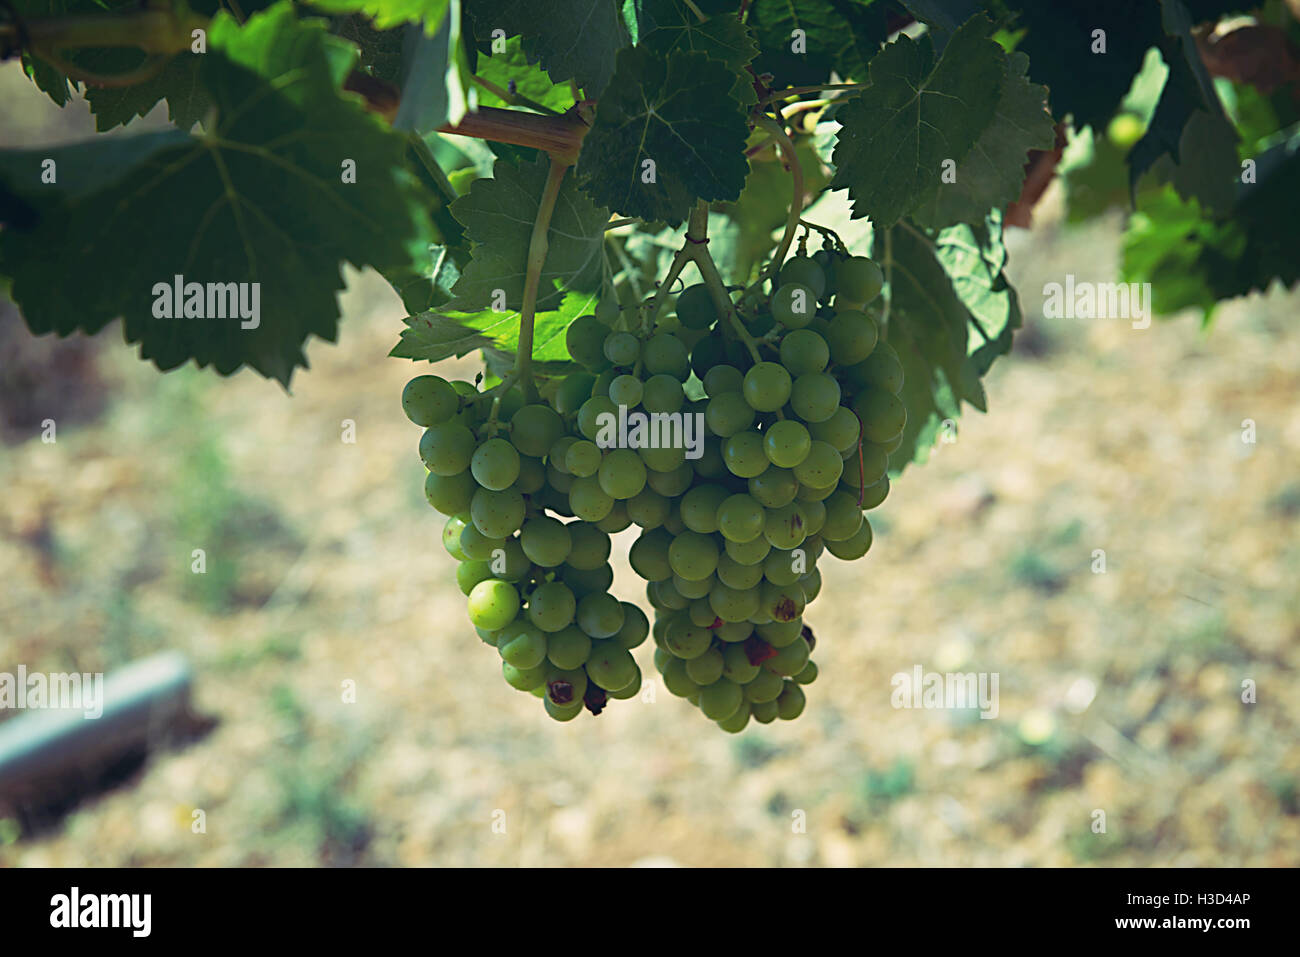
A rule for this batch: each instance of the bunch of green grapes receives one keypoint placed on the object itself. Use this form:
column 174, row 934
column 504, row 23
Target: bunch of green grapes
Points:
column 537, row 588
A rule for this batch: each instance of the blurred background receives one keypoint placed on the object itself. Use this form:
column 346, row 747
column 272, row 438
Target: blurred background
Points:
column 1121, row 691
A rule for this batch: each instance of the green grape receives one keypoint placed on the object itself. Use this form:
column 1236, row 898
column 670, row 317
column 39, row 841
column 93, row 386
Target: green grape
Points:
column 626, row 390
column 764, row 713
column 509, row 562
column 883, row 415
column 470, row 573
column 607, row 310
column 786, row 443
column 804, row 351
column 593, row 415
column 622, row 348
column 840, row 431
column 699, row 508
column 695, row 309
column 858, row 279
column 584, row 581
column 545, row 541
column 722, row 379
column 803, row 270
column 447, row 448
column 814, row 515
column 822, row 468
column 532, row 476
column 568, row 648
column 662, row 393
column 450, row 494
column 622, row 474
column 815, row 397
column 736, row 665
column 667, row 596
column 774, row 487
column 495, row 464
column 737, row 721
column 648, row 508
column 843, row 517
column 733, row 631
column 671, row 461
column 535, row 428
column 600, row 615
column 728, row 413
column 814, row 546
column 630, row 690
column 573, row 391
column 451, row 530
column 477, row 546
column 739, row 517
column 497, row 514
column 559, row 453
column 780, row 566
column 588, row 500
column 635, row 626
column 562, row 712
column 766, row 387
column 702, row 614
column 666, row 355
column 783, row 602
column 676, row 680
column 584, row 339
column 565, row 686
column 721, row 699
column 707, row 353
column 524, row 679
column 790, row 659
column 762, row 323
column 749, row 553
column 852, row 548
column 710, row 464
column 493, row 604
column 791, row 702
column 559, row 482
column 808, row 675
column 693, row 556
column 745, row 454
column 616, row 520
column 809, row 494
column 649, row 555
column 673, row 524
column 763, row 687
column 735, row 575
column 784, row 526
column 684, row 639
column 522, row 644
column 733, row 604
column 794, row 305
column 864, row 468
column 852, row 336
column 693, row 587
column 611, row 666
column 706, row 668
column 778, row 634
column 590, row 546
column 487, row 637
column 882, row 370
column 429, row 399
column 873, row 495
column 551, row 606
column 892, row 445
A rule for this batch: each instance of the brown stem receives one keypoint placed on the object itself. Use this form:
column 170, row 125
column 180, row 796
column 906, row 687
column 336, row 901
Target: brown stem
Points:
column 560, row 136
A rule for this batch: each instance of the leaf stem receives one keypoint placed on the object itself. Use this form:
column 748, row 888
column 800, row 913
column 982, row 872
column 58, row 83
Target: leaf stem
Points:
column 800, row 90
column 538, row 246
column 697, row 249
column 680, row 259
column 514, row 99
column 616, row 223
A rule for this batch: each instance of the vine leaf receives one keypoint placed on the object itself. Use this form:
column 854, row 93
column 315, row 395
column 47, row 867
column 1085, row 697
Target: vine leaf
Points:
column 433, row 337
column 993, row 172
column 951, row 314
column 672, row 111
column 916, row 114
column 839, row 35
column 390, row 13
column 501, row 69
column 666, row 26
column 498, row 329
column 435, row 77
column 259, row 199
column 571, row 39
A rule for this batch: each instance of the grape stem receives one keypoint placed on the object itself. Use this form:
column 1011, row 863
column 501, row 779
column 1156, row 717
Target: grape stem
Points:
column 538, row 246
column 680, row 259
column 697, row 248
column 786, row 146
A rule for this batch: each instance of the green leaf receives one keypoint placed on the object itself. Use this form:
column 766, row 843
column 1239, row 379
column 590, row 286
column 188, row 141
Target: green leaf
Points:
column 391, row 13
column 258, row 199
column 178, row 83
column 572, row 39
column 837, row 35
column 670, row 25
column 498, row 215
column 435, row 77
column 951, row 313
column 916, row 114
column 993, row 172
column 431, row 337
column 549, row 325
column 673, row 111
column 531, row 81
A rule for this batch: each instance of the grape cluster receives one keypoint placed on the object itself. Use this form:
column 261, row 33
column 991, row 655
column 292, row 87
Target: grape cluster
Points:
column 800, row 411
